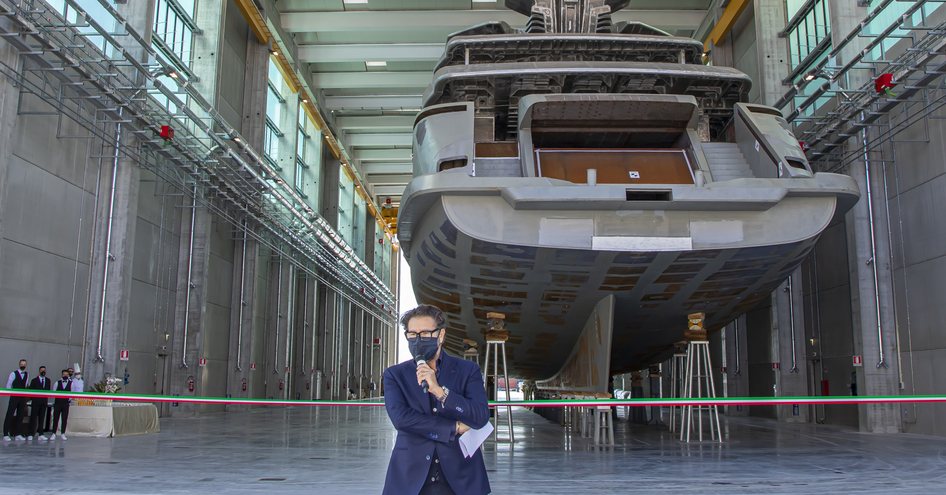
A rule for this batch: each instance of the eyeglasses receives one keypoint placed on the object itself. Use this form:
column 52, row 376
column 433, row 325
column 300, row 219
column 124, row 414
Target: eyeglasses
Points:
column 424, row 334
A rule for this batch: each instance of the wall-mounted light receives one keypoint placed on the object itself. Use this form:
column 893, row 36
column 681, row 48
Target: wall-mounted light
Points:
column 375, row 63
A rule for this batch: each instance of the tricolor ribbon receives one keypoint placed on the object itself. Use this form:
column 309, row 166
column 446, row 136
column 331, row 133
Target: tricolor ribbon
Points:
column 379, row 402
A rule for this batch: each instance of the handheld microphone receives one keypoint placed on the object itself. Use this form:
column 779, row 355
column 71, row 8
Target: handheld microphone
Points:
column 419, row 360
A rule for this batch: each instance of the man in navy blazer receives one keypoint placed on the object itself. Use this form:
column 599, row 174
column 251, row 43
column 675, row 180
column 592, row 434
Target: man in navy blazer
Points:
column 427, row 458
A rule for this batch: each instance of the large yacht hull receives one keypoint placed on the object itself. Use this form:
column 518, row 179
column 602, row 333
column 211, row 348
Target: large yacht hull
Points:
column 596, row 183
column 481, row 249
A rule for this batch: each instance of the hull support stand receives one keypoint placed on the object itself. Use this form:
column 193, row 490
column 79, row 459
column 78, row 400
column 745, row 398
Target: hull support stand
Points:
column 698, row 383
column 496, row 338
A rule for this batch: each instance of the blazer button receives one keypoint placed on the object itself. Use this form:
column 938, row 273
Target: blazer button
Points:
column 436, row 461
column 428, row 458
column 435, row 409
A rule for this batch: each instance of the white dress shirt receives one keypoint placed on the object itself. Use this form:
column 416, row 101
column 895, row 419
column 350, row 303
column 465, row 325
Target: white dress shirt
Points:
column 13, row 377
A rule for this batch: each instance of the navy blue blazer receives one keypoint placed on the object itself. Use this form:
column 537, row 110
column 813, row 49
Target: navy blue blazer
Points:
column 425, row 428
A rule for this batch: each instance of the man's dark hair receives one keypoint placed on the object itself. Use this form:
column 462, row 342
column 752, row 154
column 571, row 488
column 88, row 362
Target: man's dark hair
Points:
column 22, row 360
column 42, row 367
column 63, row 371
column 424, row 310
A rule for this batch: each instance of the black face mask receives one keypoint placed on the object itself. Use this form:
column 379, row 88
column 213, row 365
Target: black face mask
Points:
column 22, row 368
column 424, row 348
column 42, row 373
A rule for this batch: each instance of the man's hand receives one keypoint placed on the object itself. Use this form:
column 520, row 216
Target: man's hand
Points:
column 425, row 373
column 462, row 428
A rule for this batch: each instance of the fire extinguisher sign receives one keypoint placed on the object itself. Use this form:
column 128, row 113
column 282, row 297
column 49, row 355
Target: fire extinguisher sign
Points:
column 123, row 355
column 202, row 362
column 858, row 360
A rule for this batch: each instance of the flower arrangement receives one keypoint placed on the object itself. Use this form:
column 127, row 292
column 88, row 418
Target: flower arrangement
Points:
column 108, row 385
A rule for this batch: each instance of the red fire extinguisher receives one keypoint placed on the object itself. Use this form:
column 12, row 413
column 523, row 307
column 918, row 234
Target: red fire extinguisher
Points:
column 190, row 383
column 243, row 386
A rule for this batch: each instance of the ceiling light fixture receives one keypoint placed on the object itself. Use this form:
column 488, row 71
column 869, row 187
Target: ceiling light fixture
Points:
column 363, row 2
column 376, row 63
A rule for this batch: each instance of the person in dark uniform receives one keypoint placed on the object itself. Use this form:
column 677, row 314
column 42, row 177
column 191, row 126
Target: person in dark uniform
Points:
column 432, row 400
column 38, row 405
column 16, row 409
column 61, row 405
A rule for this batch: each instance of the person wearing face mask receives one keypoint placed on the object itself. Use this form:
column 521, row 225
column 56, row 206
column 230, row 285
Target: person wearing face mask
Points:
column 16, row 408
column 432, row 400
column 38, row 405
column 78, row 384
column 61, row 405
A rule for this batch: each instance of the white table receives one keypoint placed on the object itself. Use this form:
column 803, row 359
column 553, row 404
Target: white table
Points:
column 113, row 420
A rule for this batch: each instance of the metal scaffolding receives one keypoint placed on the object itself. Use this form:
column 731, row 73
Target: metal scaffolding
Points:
column 109, row 78
column 847, row 99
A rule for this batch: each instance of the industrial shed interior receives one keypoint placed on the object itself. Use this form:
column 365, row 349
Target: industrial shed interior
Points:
column 218, row 210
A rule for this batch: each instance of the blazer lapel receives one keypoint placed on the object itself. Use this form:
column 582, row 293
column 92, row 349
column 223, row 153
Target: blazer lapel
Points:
column 420, row 401
column 448, row 373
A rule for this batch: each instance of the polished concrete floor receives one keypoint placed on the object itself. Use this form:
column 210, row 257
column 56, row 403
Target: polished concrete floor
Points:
column 346, row 451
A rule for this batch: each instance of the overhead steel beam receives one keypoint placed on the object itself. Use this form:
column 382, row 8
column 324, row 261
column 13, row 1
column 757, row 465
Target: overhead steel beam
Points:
column 725, row 23
column 388, row 155
column 394, row 52
column 386, row 123
column 374, row 168
column 380, row 190
column 390, row 179
column 374, row 102
column 371, row 80
column 380, row 140
column 451, row 20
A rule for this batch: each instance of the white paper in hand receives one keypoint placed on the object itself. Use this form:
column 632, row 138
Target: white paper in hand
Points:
column 472, row 439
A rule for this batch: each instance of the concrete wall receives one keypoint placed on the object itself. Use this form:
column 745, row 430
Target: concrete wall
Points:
column 54, row 187
column 916, row 177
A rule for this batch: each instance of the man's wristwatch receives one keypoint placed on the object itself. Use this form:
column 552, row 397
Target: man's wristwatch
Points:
column 443, row 398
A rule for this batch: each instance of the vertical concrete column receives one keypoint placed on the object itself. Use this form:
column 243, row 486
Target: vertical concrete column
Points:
column 242, row 315
column 772, row 49
column 259, row 330
column 338, row 327
column 9, row 96
column 187, row 376
column 113, row 246
column 328, row 196
column 311, row 341
column 254, row 93
column 327, row 342
column 357, row 339
column 789, row 347
column 112, row 264
column 371, row 357
column 279, row 328
column 206, row 54
column 391, row 348
column 322, row 342
column 737, row 364
column 371, row 238
column 875, row 331
column 302, row 367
